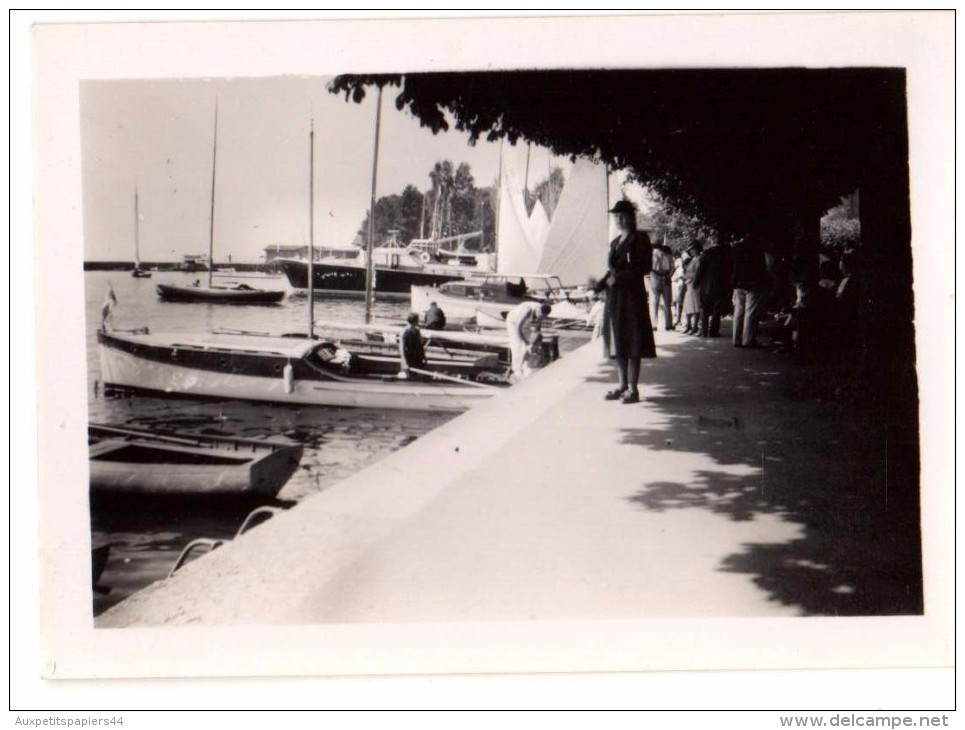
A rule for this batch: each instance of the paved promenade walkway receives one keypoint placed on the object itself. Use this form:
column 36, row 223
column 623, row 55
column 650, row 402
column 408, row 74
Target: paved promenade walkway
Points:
column 730, row 491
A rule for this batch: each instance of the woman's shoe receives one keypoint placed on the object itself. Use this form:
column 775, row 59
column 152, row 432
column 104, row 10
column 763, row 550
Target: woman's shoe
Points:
column 631, row 396
column 614, row 394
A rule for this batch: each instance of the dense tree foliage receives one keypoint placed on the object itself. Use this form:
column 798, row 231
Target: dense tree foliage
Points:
column 547, row 191
column 677, row 229
column 840, row 234
column 733, row 146
column 453, row 205
column 759, row 152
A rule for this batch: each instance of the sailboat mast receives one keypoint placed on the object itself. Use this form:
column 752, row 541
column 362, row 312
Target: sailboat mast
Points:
column 214, row 168
column 137, row 233
column 606, row 176
column 529, row 148
column 369, row 268
column 499, row 196
column 422, row 219
column 482, row 216
column 311, row 231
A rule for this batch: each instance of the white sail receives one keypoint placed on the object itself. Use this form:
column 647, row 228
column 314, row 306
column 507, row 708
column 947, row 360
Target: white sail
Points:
column 539, row 227
column 577, row 243
column 517, row 251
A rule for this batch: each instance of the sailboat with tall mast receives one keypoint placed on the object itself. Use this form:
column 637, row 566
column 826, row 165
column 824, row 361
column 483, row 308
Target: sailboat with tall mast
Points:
column 138, row 272
column 232, row 293
column 390, row 268
column 354, row 366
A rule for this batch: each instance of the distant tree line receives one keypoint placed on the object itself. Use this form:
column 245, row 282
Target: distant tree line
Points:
column 452, row 206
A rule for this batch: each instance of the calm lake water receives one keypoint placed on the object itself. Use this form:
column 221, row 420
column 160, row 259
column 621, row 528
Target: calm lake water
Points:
column 147, row 535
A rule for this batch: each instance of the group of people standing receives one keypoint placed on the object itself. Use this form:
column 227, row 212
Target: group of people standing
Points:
column 710, row 280
column 703, row 288
column 695, row 289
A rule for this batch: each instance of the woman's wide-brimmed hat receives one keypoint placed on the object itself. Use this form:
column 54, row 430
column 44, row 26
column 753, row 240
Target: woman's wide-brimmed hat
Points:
column 623, row 206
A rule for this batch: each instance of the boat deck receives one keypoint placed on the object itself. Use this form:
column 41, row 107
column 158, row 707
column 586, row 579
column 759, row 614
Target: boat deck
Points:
column 293, row 347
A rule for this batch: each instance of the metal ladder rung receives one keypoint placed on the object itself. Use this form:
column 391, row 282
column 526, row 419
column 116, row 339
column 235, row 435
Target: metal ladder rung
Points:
column 211, row 544
column 200, row 542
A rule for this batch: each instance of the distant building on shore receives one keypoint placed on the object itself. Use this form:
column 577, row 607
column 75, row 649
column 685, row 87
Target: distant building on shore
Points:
column 285, row 251
column 295, row 251
column 194, row 262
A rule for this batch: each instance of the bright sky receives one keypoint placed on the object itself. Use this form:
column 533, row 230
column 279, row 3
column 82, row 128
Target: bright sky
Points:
column 159, row 135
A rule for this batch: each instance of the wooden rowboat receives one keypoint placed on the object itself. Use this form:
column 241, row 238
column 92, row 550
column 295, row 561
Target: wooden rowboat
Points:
column 127, row 460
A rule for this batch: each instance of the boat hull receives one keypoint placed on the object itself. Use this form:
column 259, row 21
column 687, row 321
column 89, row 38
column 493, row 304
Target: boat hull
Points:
column 218, row 295
column 138, row 365
column 263, row 475
column 488, row 314
column 332, row 278
column 458, row 308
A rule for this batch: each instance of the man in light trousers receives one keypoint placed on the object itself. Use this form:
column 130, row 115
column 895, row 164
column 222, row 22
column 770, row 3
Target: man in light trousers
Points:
column 750, row 279
column 661, row 288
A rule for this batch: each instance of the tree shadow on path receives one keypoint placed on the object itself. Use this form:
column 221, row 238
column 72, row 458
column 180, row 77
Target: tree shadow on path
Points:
column 844, row 474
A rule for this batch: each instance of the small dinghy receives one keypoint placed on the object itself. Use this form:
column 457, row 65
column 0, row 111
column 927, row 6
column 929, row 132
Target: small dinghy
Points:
column 140, row 461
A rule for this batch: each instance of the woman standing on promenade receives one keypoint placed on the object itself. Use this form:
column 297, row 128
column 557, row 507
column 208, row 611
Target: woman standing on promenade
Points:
column 626, row 319
column 691, row 308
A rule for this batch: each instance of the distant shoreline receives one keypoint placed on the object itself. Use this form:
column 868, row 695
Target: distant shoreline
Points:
column 163, row 266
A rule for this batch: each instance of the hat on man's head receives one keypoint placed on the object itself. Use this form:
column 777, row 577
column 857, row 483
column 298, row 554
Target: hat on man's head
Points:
column 623, row 206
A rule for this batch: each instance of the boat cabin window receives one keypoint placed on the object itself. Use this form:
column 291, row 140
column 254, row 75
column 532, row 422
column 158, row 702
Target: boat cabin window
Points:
column 461, row 289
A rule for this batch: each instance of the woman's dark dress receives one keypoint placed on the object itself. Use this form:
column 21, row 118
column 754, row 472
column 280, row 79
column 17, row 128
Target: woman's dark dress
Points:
column 626, row 317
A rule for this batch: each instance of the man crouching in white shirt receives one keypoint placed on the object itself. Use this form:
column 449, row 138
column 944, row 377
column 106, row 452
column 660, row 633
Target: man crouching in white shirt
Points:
column 525, row 316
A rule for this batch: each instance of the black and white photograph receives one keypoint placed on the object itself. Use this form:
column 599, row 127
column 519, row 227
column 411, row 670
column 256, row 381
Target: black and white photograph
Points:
column 426, row 346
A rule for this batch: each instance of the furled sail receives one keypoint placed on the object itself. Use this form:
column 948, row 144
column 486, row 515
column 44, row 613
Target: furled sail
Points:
column 577, row 243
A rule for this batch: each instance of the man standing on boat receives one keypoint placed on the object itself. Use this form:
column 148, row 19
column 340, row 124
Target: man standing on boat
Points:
column 411, row 348
column 526, row 316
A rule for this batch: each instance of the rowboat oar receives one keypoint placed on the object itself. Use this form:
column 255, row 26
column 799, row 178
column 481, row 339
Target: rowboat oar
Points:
column 441, row 376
